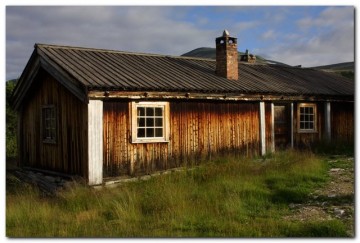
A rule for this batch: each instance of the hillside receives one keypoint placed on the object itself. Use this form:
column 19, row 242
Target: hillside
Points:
column 207, row 52
column 344, row 66
column 345, row 69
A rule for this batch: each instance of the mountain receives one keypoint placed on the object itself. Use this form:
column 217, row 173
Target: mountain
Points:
column 345, row 69
column 344, row 66
column 207, row 52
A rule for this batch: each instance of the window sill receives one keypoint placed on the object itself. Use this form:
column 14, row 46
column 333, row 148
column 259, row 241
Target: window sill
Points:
column 47, row 141
column 305, row 131
column 149, row 141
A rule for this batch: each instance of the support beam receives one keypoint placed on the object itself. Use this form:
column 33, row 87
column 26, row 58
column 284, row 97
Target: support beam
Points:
column 292, row 124
column 95, row 142
column 262, row 128
column 272, row 128
column 328, row 121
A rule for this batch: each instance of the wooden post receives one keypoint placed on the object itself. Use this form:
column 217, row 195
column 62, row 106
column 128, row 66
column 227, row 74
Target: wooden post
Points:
column 272, row 128
column 95, row 142
column 262, row 128
column 328, row 121
column 292, row 124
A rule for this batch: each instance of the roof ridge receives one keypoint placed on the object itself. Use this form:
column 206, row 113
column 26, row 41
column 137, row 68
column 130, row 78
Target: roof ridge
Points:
column 118, row 51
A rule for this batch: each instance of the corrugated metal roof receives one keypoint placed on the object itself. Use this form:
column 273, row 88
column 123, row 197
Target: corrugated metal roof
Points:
column 99, row 69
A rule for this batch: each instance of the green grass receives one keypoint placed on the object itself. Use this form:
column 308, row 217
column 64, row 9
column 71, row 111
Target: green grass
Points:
column 227, row 197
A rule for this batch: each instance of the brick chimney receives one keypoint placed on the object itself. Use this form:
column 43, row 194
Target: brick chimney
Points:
column 250, row 58
column 227, row 56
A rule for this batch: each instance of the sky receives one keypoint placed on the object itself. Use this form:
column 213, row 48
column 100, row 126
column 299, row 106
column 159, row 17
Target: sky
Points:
column 296, row 35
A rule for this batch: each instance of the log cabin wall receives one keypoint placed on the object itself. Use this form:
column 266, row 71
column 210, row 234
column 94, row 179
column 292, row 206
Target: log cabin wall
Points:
column 69, row 152
column 342, row 122
column 197, row 131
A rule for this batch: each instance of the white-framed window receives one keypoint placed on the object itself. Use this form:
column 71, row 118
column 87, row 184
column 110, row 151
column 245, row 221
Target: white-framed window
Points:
column 150, row 122
column 48, row 116
column 307, row 116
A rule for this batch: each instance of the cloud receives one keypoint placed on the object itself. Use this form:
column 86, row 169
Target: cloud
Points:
column 245, row 25
column 137, row 29
column 268, row 35
column 332, row 16
column 325, row 39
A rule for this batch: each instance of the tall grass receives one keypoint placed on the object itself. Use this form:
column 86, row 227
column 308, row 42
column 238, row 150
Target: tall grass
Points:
column 227, row 197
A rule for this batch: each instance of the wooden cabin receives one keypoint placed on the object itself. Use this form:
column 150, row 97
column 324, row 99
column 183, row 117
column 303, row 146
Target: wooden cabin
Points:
column 103, row 113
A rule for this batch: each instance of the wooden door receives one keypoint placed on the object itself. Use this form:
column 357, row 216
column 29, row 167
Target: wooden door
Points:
column 282, row 125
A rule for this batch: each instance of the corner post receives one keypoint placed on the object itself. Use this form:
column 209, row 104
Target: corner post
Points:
column 262, row 128
column 95, row 142
column 328, row 121
column 272, row 128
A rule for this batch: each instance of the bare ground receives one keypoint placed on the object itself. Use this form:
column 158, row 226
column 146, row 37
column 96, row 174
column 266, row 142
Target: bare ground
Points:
column 335, row 200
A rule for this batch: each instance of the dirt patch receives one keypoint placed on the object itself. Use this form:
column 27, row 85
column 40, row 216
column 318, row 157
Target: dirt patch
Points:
column 335, row 200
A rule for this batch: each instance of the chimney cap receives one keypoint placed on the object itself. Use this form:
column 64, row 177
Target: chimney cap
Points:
column 226, row 33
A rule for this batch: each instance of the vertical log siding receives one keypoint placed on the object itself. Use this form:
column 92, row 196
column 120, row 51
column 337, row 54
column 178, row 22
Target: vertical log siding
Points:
column 197, row 131
column 342, row 122
column 69, row 152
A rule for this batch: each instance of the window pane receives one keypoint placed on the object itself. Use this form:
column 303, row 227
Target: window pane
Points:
column 302, row 117
column 52, row 113
column 149, row 132
column 52, row 133
column 52, row 123
column 141, row 133
column 46, row 112
column 149, row 122
column 311, row 117
column 158, row 132
column 158, row 111
column 46, row 133
column 302, row 110
column 302, row 125
column 311, row 125
column 141, row 111
column 311, row 110
column 141, row 122
column 46, row 124
column 149, row 111
column 158, row 122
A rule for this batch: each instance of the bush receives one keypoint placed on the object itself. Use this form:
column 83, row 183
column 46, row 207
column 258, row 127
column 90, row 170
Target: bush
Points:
column 11, row 122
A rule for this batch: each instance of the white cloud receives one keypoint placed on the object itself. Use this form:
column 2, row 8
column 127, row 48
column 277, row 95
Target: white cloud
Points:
column 332, row 16
column 268, row 35
column 137, row 29
column 327, row 39
column 245, row 25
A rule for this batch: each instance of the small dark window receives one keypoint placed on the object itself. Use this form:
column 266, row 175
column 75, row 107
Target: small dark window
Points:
column 49, row 124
